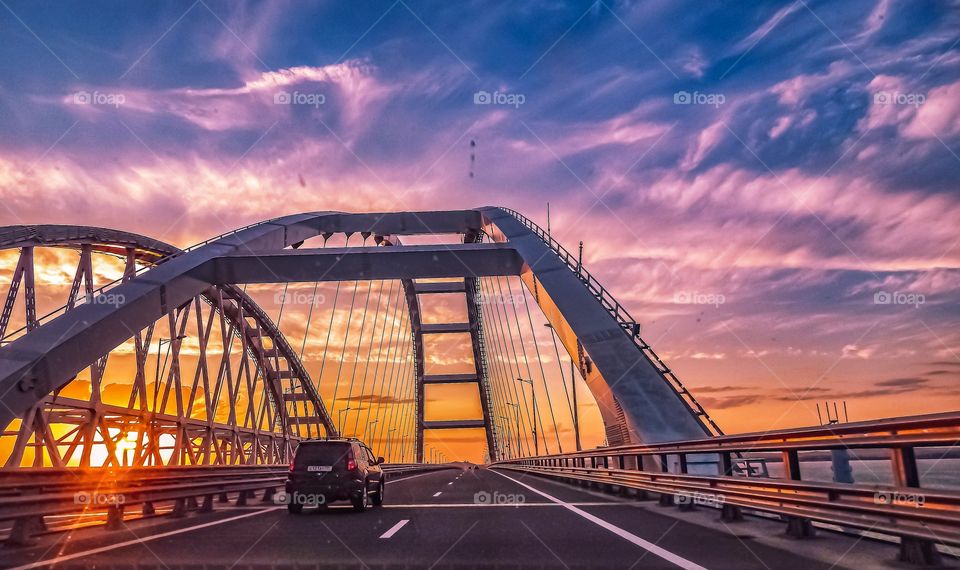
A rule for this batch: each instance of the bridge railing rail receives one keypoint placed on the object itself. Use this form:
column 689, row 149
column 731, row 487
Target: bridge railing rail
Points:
column 625, row 320
column 904, row 508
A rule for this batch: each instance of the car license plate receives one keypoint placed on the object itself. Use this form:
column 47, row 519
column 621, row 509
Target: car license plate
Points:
column 319, row 468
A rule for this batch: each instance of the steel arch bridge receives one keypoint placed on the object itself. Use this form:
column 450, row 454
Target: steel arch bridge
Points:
column 250, row 397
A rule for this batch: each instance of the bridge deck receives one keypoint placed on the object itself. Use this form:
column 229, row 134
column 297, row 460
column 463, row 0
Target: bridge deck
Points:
column 457, row 518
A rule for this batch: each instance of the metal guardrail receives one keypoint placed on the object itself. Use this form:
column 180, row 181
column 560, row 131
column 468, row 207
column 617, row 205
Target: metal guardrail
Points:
column 29, row 495
column 920, row 516
column 627, row 323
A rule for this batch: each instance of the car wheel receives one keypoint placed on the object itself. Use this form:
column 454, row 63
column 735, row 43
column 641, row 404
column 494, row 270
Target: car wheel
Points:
column 361, row 503
column 294, row 508
column 378, row 498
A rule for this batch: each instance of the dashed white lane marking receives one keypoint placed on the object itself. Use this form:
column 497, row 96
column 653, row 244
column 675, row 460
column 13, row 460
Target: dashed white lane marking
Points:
column 437, row 494
column 393, row 530
column 450, row 483
column 644, row 544
column 81, row 554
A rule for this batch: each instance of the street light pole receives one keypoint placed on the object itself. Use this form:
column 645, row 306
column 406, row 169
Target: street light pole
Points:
column 340, row 420
column 389, row 441
column 536, row 442
column 506, row 428
column 576, row 408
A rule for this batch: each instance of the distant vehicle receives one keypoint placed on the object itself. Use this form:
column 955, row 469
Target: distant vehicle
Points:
column 328, row 470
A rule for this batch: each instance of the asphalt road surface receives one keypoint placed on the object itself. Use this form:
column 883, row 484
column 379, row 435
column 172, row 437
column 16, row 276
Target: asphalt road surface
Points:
column 454, row 518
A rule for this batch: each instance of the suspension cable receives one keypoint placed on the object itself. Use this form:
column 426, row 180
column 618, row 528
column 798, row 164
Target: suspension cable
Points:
column 509, row 383
column 343, row 349
column 500, row 397
column 389, row 320
column 543, row 375
column 389, row 370
column 373, row 336
column 356, row 357
column 511, row 344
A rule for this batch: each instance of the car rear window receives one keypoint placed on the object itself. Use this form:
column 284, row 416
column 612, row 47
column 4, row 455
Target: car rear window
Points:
column 321, row 453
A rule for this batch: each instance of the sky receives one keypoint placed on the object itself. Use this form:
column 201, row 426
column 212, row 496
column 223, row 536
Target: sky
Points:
column 769, row 187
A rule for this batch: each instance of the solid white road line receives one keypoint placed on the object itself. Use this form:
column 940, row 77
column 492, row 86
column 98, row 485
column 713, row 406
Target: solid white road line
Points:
column 644, row 544
column 81, row 554
column 437, row 494
column 393, row 530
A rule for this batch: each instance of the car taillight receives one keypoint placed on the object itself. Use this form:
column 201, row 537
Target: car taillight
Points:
column 351, row 464
column 291, row 466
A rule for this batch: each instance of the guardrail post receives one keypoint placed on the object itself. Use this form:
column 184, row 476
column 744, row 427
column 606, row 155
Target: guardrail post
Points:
column 797, row 527
column 207, row 506
column 222, row 498
column 192, row 503
column 241, row 499
column 114, row 517
column 23, row 530
column 730, row 513
column 905, row 474
column 267, row 495
column 148, row 509
column 179, row 508
column 726, row 465
column 791, row 464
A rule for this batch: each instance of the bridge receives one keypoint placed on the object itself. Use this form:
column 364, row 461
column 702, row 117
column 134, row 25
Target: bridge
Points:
column 150, row 416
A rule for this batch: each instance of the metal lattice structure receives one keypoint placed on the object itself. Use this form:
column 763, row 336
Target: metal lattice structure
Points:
column 259, row 398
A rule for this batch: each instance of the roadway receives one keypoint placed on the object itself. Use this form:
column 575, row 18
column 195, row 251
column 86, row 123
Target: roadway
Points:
column 453, row 518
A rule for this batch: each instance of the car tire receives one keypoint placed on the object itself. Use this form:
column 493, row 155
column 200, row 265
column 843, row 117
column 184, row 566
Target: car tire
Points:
column 294, row 508
column 361, row 502
column 378, row 498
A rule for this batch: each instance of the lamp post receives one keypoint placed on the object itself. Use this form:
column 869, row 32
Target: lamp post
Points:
column 506, row 428
column 389, row 441
column 536, row 443
column 340, row 419
column 516, row 413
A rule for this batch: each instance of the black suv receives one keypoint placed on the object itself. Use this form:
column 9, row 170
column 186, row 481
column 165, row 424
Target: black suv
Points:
column 327, row 470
